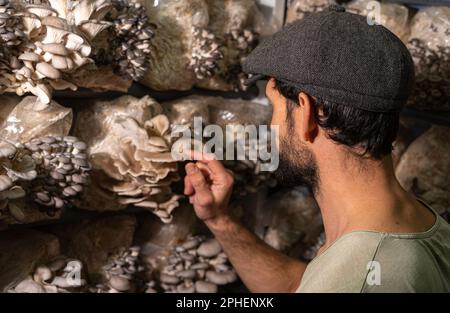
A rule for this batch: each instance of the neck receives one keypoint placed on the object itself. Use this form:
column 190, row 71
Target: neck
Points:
column 357, row 194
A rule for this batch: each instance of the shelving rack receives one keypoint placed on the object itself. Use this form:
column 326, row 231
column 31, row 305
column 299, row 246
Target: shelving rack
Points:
column 275, row 12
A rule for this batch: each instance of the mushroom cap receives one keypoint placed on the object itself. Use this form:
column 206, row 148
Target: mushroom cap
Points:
column 55, row 21
column 5, row 182
column 15, row 192
column 29, row 56
column 55, row 48
column 6, row 149
column 41, row 10
column 48, row 71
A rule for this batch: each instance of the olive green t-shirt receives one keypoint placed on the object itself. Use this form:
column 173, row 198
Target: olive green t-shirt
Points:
column 370, row 261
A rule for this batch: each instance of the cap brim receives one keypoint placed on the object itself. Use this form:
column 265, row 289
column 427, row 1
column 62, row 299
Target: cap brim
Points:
column 252, row 80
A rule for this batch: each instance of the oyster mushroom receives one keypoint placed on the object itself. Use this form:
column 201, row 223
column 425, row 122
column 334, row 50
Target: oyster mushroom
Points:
column 205, row 54
column 298, row 9
column 59, row 36
column 51, row 279
column 121, row 271
column 132, row 33
column 62, row 171
column 187, row 270
column 424, row 168
column 11, row 37
column 131, row 156
column 209, row 248
column 5, row 182
column 42, row 274
column 29, row 286
column 16, row 170
column 432, row 67
column 7, row 149
column 48, row 70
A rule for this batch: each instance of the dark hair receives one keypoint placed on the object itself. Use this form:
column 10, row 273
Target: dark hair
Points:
column 372, row 132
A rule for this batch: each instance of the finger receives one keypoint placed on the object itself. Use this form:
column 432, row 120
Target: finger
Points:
column 188, row 189
column 196, row 178
column 215, row 166
column 203, row 195
column 205, row 169
column 219, row 174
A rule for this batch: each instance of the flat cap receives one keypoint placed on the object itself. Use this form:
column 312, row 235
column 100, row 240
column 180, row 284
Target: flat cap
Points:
column 339, row 57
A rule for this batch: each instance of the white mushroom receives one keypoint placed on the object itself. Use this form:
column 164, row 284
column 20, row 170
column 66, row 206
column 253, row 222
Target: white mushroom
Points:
column 31, row 24
column 48, row 71
column 42, row 92
column 29, row 56
column 205, row 287
column 16, row 192
column 59, row 62
column 54, row 34
column 6, row 149
column 54, row 48
column 5, row 183
column 29, row 286
column 209, row 248
column 120, row 283
column 221, row 278
column 93, row 28
column 40, row 10
column 42, row 274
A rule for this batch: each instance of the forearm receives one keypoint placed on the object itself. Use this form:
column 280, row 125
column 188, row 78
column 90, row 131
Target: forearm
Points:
column 260, row 267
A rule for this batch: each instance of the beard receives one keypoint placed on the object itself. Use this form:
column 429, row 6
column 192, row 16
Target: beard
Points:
column 297, row 166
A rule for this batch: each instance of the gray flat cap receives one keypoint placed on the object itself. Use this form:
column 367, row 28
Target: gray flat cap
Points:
column 339, row 57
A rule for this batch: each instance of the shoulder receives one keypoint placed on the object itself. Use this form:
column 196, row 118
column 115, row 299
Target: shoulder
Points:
column 416, row 264
column 381, row 262
column 344, row 265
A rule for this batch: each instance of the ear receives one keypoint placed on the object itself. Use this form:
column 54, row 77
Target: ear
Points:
column 308, row 125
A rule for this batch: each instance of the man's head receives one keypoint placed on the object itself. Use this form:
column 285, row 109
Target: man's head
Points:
column 306, row 123
column 337, row 85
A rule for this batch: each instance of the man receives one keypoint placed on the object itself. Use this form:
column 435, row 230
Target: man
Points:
column 337, row 85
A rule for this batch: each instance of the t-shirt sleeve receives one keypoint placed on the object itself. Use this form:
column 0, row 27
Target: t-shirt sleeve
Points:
column 344, row 266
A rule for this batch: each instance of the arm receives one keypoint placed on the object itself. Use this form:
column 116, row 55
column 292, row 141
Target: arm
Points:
column 260, row 267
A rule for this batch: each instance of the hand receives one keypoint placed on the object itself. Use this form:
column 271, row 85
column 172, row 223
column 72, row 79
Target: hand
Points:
column 208, row 185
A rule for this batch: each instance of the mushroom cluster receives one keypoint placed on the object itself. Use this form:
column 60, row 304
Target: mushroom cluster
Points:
column 62, row 275
column 132, row 35
column 48, row 171
column 429, row 44
column 128, row 43
column 424, row 168
column 205, row 53
column 15, row 168
column 197, row 265
column 240, row 43
column 60, row 37
column 432, row 88
column 393, row 16
column 58, row 42
column 248, row 176
column 247, row 173
column 120, row 272
column 62, row 171
column 225, row 113
column 130, row 154
column 11, row 36
column 194, row 45
column 298, row 9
